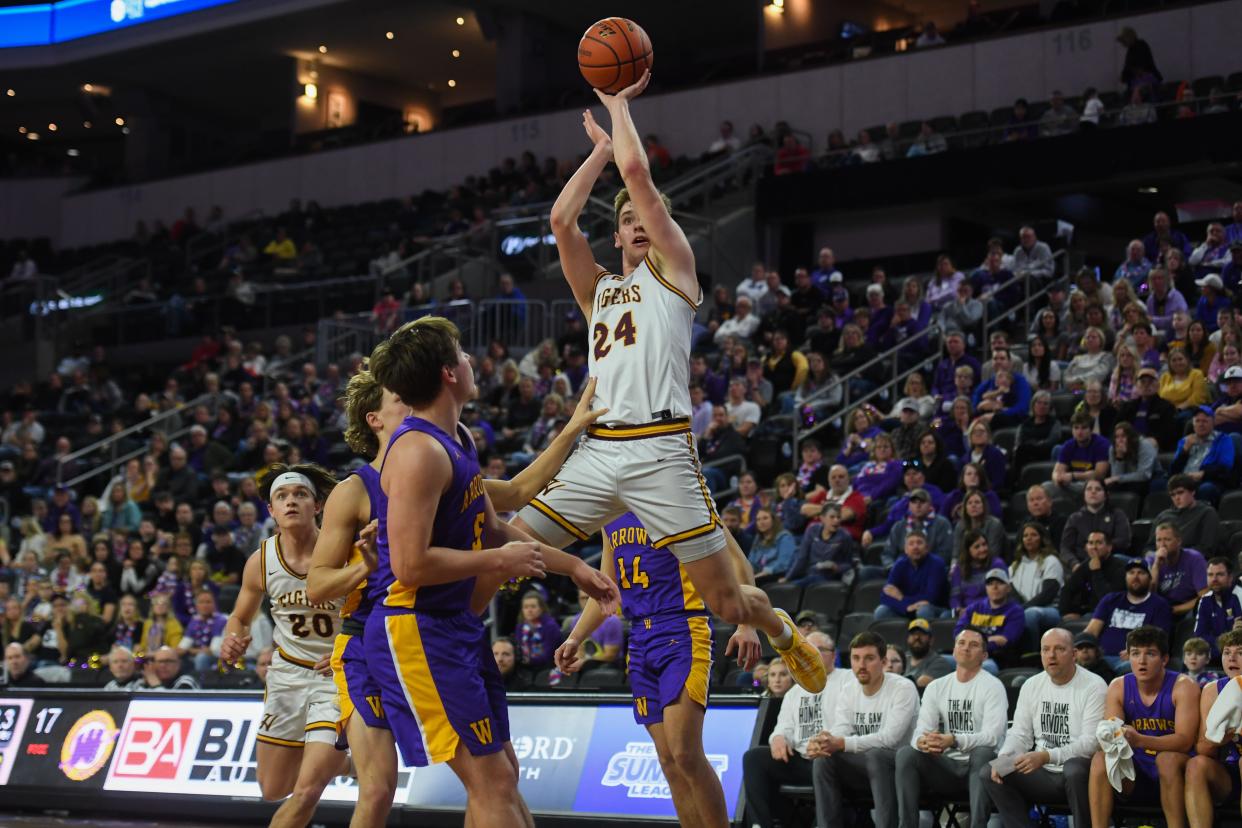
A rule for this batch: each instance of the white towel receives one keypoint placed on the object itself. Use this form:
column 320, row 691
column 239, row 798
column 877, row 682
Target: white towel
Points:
column 1226, row 714
column 1118, row 755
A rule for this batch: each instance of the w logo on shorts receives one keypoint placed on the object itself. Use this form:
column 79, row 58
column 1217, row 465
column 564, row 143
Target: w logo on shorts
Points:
column 640, row 704
column 482, row 731
column 376, row 707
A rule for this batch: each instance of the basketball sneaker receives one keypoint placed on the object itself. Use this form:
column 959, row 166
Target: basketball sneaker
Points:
column 801, row 658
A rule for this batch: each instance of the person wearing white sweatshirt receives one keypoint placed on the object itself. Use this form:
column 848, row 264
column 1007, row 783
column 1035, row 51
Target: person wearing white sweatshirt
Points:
column 1046, row 756
column 786, row 759
column 961, row 724
column 858, row 754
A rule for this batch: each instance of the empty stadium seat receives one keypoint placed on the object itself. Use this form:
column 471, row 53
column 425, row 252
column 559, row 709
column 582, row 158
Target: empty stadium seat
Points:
column 1127, row 502
column 1140, row 533
column 867, row 595
column 1033, row 474
column 1230, row 506
column 892, row 630
column 829, row 599
column 1156, row 502
column 851, row 625
column 784, row 596
column 942, row 634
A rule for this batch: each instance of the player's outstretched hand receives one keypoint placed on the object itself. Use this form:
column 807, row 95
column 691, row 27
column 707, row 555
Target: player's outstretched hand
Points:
column 366, row 545
column 627, row 94
column 746, row 642
column 568, row 657
column 324, row 666
column 583, row 415
column 599, row 586
column 596, row 133
column 233, row 648
column 521, row 559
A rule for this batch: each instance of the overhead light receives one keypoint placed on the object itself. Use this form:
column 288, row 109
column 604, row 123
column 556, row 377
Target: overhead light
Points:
column 87, row 124
column 120, row 122
column 33, row 136
column 311, row 91
column 22, row 130
column 88, row 87
column 452, row 83
column 461, row 21
column 323, row 50
column 457, row 53
column 72, row 153
column 389, row 35
column 1148, row 190
column 10, row 93
column 51, row 127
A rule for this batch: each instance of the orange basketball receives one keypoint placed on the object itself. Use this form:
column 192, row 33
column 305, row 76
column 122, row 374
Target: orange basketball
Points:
column 614, row 53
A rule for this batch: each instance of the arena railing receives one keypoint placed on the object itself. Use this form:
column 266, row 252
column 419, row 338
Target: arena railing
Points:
column 111, row 444
column 932, row 333
column 1028, row 298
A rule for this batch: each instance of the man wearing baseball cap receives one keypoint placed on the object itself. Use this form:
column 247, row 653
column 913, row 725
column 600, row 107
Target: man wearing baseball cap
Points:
column 1149, row 413
column 1229, row 406
column 1206, row 456
column 1231, row 273
column 1120, row 612
column 1087, row 654
column 913, row 478
column 999, row 617
column 1212, row 300
column 923, row 666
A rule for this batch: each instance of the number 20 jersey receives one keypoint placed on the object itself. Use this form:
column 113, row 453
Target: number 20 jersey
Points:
column 640, row 346
column 303, row 632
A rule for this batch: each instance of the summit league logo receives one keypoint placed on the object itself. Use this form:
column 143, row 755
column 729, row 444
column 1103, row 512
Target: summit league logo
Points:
column 638, row 769
column 88, row 745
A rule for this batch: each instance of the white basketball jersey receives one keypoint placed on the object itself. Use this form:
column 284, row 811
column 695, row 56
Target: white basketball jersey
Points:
column 640, row 346
column 303, row 632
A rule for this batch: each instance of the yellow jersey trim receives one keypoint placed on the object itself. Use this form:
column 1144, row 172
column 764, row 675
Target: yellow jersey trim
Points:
column 680, row 425
column 655, row 271
column 689, row 534
column 320, row 726
column 309, row 665
column 280, row 556
column 559, row 519
column 272, row 740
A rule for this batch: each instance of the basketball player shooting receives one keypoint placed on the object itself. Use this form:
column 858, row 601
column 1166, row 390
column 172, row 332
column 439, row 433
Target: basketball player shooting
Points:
column 641, row 456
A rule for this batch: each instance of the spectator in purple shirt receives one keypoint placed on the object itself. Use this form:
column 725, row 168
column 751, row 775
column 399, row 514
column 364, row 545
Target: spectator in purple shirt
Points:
column 1233, row 233
column 1231, row 272
column 918, row 583
column 999, row 617
column 881, row 314
column 1180, row 574
column 1120, row 612
column 827, row 551
column 204, row 627
column 1163, row 300
column 1219, row 609
column 1136, row 266
column 538, row 635
column 944, row 385
column 878, row 478
column 604, row 645
column 1081, row 458
column 1163, row 235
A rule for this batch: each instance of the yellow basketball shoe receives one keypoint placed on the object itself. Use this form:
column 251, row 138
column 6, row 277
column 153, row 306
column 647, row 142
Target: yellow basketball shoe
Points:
column 802, row 658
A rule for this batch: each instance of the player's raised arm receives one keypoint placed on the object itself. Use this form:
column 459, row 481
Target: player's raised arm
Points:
column 416, row 474
column 667, row 240
column 331, row 575
column 511, row 495
column 577, row 260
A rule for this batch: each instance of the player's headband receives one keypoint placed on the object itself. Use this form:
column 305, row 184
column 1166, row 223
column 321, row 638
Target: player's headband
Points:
column 292, row 478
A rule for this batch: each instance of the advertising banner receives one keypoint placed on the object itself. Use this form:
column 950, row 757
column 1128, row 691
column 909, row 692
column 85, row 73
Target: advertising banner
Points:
column 14, row 713
column 550, row 742
column 206, row 748
column 622, row 773
column 67, row 743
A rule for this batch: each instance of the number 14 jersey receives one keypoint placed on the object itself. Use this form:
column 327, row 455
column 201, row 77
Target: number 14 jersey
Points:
column 302, row 632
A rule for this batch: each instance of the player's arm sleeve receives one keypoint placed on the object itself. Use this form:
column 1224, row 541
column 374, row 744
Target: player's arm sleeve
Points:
column 786, row 720
column 995, row 711
column 1021, row 734
column 1084, row 745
